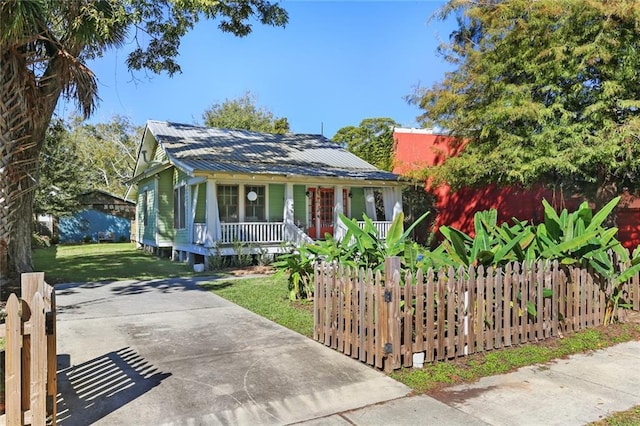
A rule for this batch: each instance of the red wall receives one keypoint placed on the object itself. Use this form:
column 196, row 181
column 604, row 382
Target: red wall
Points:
column 415, row 150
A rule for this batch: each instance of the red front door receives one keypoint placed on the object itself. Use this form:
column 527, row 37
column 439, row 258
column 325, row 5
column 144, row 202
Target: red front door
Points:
column 321, row 203
column 320, row 212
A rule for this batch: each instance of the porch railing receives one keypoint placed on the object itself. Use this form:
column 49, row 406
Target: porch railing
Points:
column 252, row 232
column 382, row 226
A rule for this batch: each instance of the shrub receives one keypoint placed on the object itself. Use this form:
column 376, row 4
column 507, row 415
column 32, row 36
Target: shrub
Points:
column 40, row 241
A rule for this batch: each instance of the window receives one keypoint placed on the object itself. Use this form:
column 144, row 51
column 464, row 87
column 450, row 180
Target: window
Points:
column 228, row 203
column 144, row 208
column 254, row 207
column 179, row 207
column 380, row 212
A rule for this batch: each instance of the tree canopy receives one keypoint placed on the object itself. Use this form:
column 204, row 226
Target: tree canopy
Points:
column 243, row 113
column 541, row 91
column 44, row 46
column 78, row 157
column 372, row 141
column 61, row 174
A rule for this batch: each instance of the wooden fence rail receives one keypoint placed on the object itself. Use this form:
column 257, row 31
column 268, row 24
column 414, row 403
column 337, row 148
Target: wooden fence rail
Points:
column 447, row 313
column 30, row 354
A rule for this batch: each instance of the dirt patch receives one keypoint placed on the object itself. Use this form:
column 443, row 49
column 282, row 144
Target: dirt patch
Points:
column 249, row 270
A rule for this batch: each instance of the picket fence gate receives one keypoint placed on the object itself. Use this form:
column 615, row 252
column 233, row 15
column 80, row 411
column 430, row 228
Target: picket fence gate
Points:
column 30, row 354
column 447, row 313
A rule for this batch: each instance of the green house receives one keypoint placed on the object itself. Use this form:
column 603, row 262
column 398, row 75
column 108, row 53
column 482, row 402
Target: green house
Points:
column 202, row 189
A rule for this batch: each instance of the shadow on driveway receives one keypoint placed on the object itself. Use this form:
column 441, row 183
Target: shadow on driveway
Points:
column 96, row 388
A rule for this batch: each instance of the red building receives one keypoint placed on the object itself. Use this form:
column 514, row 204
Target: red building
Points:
column 417, row 149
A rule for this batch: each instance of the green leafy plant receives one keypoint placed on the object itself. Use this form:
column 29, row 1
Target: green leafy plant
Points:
column 298, row 264
column 492, row 245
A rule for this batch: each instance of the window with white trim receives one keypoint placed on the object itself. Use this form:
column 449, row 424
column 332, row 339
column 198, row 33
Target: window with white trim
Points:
column 179, row 207
column 228, row 203
column 254, row 204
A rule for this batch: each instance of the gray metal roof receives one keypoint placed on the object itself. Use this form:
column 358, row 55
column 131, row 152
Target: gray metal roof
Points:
column 241, row 151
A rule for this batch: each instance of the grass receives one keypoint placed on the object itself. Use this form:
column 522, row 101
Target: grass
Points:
column 267, row 297
column 624, row 418
column 98, row 262
column 440, row 374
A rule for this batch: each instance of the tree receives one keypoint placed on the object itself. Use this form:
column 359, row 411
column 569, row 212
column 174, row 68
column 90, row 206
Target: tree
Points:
column 544, row 91
column 242, row 113
column 43, row 48
column 372, row 141
column 107, row 153
column 61, row 173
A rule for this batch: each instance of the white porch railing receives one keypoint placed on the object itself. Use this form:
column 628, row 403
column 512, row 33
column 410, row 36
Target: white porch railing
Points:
column 382, row 226
column 267, row 232
column 252, row 232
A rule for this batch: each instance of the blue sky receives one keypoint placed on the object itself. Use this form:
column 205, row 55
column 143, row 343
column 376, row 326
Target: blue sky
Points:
column 336, row 63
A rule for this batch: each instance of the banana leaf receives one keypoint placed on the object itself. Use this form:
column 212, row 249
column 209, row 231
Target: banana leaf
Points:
column 551, row 221
column 602, row 215
column 627, row 274
column 568, row 246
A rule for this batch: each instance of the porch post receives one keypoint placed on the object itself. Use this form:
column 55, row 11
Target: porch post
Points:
column 193, row 189
column 214, row 232
column 289, row 234
column 338, row 207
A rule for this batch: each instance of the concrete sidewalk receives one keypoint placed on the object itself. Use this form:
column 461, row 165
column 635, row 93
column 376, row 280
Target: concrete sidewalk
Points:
column 573, row 391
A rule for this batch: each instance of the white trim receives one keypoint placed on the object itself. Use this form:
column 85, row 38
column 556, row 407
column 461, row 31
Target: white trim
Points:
column 430, row 131
column 193, row 190
column 212, row 216
column 196, row 180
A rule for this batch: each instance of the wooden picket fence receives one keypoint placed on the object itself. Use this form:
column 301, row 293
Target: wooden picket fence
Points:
column 30, row 354
column 447, row 313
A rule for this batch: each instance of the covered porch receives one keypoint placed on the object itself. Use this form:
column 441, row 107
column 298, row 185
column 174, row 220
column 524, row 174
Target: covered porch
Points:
column 223, row 215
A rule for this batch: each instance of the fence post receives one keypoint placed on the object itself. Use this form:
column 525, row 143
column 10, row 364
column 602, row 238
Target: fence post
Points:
column 52, row 357
column 391, row 332
column 38, row 362
column 13, row 374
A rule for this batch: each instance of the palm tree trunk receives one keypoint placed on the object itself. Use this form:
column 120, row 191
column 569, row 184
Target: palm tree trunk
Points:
column 15, row 133
column 25, row 113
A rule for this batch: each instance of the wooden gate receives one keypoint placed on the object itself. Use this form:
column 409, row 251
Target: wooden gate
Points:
column 30, row 354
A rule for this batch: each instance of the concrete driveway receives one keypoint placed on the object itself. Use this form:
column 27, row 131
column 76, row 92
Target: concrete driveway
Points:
column 168, row 352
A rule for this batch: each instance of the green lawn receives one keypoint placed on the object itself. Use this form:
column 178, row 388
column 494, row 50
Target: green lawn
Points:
column 267, row 297
column 97, row 262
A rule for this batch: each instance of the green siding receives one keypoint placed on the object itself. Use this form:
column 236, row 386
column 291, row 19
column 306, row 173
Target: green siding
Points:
column 146, row 188
column 276, row 202
column 357, row 203
column 159, row 155
column 300, row 203
column 165, row 206
column 201, row 207
column 179, row 176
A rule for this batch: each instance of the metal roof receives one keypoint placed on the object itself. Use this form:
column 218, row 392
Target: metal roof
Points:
column 241, row 151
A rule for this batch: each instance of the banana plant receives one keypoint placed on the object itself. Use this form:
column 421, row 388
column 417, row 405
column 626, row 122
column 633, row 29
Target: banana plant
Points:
column 579, row 238
column 370, row 249
column 492, row 245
